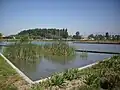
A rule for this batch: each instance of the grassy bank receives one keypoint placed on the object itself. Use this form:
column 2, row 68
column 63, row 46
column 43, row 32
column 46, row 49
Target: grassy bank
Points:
column 9, row 79
column 103, row 75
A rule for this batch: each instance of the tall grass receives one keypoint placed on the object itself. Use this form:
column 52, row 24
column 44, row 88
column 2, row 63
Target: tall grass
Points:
column 6, row 75
column 59, row 49
column 25, row 50
column 29, row 52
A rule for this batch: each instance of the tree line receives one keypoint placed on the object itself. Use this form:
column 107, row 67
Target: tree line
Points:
column 51, row 33
column 54, row 33
column 107, row 36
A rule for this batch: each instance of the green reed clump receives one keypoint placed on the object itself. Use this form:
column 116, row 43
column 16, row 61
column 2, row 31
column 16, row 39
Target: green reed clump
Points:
column 26, row 51
column 59, row 49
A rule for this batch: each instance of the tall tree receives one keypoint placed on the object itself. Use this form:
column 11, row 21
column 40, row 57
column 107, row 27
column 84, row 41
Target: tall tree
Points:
column 77, row 36
column 1, row 35
column 107, row 35
column 77, row 33
column 90, row 36
column 65, row 34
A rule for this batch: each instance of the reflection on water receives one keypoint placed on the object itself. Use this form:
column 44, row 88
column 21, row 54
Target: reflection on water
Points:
column 60, row 59
column 0, row 48
column 83, row 55
column 26, row 65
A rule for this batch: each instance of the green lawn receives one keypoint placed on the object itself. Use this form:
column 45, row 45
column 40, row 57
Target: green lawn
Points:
column 5, row 69
column 6, row 75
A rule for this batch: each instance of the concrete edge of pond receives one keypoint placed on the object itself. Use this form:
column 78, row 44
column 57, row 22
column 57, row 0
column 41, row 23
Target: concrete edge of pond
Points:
column 17, row 70
column 41, row 80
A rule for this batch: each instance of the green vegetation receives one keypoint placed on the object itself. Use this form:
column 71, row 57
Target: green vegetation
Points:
column 71, row 74
column 9, row 79
column 104, row 37
column 56, row 80
column 102, row 75
column 53, row 34
column 29, row 52
column 25, row 50
column 39, row 33
column 1, row 36
column 6, row 75
column 77, row 36
column 24, row 39
column 105, row 74
column 5, row 69
column 59, row 49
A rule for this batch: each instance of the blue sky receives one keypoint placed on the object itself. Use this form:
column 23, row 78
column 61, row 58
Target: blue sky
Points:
column 85, row 16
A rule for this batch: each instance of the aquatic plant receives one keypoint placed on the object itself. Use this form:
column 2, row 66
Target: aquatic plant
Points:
column 59, row 49
column 29, row 52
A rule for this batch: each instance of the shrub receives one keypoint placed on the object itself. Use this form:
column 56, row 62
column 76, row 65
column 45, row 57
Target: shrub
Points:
column 56, row 80
column 71, row 74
